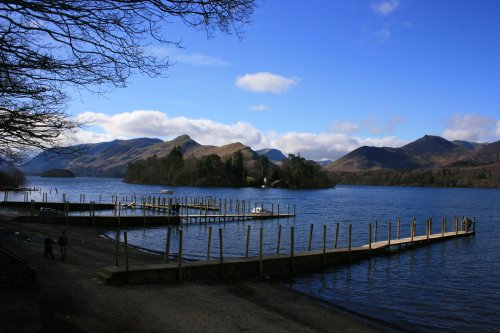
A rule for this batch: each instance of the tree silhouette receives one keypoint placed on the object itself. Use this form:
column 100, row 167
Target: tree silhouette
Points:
column 48, row 45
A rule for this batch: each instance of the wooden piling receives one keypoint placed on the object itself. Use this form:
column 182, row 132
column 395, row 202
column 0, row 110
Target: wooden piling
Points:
column 389, row 235
column 375, row 232
column 167, row 244
column 412, row 230
column 369, row 237
column 399, row 229
column 310, row 237
column 209, row 242
column 125, row 241
column 179, row 263
column 117, row 244
column 279, row 240
column 336, row 235
column 248, row 241
column 324, row 245
column 33, row 211
column 261, row 237
column 221, row 255
column 350, row 240
column 292, row 244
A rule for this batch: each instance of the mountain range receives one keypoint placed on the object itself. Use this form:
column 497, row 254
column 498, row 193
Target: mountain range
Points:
column 428, row 152
column 110, row 159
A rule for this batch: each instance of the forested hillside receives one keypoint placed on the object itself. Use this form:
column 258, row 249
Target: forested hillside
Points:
column 212, row 170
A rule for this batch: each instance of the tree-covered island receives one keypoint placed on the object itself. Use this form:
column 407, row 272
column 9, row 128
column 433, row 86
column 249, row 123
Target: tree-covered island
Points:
column 235, row 171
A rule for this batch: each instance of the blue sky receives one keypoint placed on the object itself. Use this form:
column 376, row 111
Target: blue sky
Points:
column 319, row 78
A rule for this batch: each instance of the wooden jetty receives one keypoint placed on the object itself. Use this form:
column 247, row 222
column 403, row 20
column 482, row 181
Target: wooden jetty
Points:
column 273, row 265
column 206, row 218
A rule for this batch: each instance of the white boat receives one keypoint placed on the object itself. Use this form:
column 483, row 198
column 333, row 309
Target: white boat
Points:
column 166, row 192
column 260, row 211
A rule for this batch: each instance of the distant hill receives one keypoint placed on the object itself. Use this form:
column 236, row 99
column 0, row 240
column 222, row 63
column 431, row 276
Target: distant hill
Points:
column 110, row 159
column 274, row 155
column 487, row 154
column 426, row 152
column 430, row 161
column 100, row 159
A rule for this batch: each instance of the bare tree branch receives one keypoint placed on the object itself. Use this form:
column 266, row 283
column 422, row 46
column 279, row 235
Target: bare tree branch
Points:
column 48, row 45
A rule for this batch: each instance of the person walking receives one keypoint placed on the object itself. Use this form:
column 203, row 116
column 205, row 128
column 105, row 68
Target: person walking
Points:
column 48, row 247
column 63, row 242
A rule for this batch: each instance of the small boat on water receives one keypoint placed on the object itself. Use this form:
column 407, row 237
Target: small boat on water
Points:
column 260, row 211
column 166, row 192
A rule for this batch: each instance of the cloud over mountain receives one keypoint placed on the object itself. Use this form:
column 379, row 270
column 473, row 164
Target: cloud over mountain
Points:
column 150, row 123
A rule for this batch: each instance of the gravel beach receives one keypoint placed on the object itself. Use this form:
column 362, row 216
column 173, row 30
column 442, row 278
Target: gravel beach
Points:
column 68, row 297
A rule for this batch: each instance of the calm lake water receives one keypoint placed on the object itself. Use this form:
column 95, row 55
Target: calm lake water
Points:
column 453, row 286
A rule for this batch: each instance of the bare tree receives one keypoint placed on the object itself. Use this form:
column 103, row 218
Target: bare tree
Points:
column 48, row 45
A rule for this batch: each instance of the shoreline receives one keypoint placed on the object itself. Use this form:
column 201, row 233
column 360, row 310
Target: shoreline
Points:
column 68, row 298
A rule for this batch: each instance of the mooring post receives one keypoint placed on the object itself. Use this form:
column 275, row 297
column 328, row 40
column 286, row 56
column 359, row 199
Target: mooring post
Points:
column 66, row 203
column 260, row 251
column 350, row 240
column 209, row 242
column 442, row 227
column 179, row 269
column 292, row 244
column 399, row 228
column 310, row 237
column 279, row 240
column 324, row 245
column 167, row 244
column 412, row 230
column 336, row 235
column 456, row 224
column 117, row 245
column 370, row 237
column 388, row 235
column 33, row 211
column 474, row 225
column 272, row 210
column 278, row 213
column 93, row 213
column 430, row 226
column 125, row 241
column 221, row 255
column 248, row 241
column 427, row 230
column 375, row 232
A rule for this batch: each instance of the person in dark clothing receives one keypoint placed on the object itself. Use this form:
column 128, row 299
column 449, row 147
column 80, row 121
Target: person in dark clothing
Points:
column 48, row 246
column 63, row 242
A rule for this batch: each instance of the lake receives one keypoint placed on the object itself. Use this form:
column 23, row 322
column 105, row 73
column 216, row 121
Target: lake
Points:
column 452, row 286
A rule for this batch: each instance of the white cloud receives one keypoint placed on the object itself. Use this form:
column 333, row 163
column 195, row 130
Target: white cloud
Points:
column 344, row 127
column 177, row 55
column 260, row 108
column 265, row 82
column 385, row 7
column 472, row 127
column 149, row 123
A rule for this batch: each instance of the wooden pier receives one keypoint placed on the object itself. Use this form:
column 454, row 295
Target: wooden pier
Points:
column 275, row 265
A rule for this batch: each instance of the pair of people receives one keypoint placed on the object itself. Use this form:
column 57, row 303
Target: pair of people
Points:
column 62, row 242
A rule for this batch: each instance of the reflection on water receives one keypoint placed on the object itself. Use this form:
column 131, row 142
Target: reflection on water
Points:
column 453, row 286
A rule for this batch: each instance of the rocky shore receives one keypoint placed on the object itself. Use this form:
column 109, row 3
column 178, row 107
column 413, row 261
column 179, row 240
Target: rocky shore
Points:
column 68, row 297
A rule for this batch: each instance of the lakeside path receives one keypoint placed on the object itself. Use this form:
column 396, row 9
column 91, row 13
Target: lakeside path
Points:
column 68, row 298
